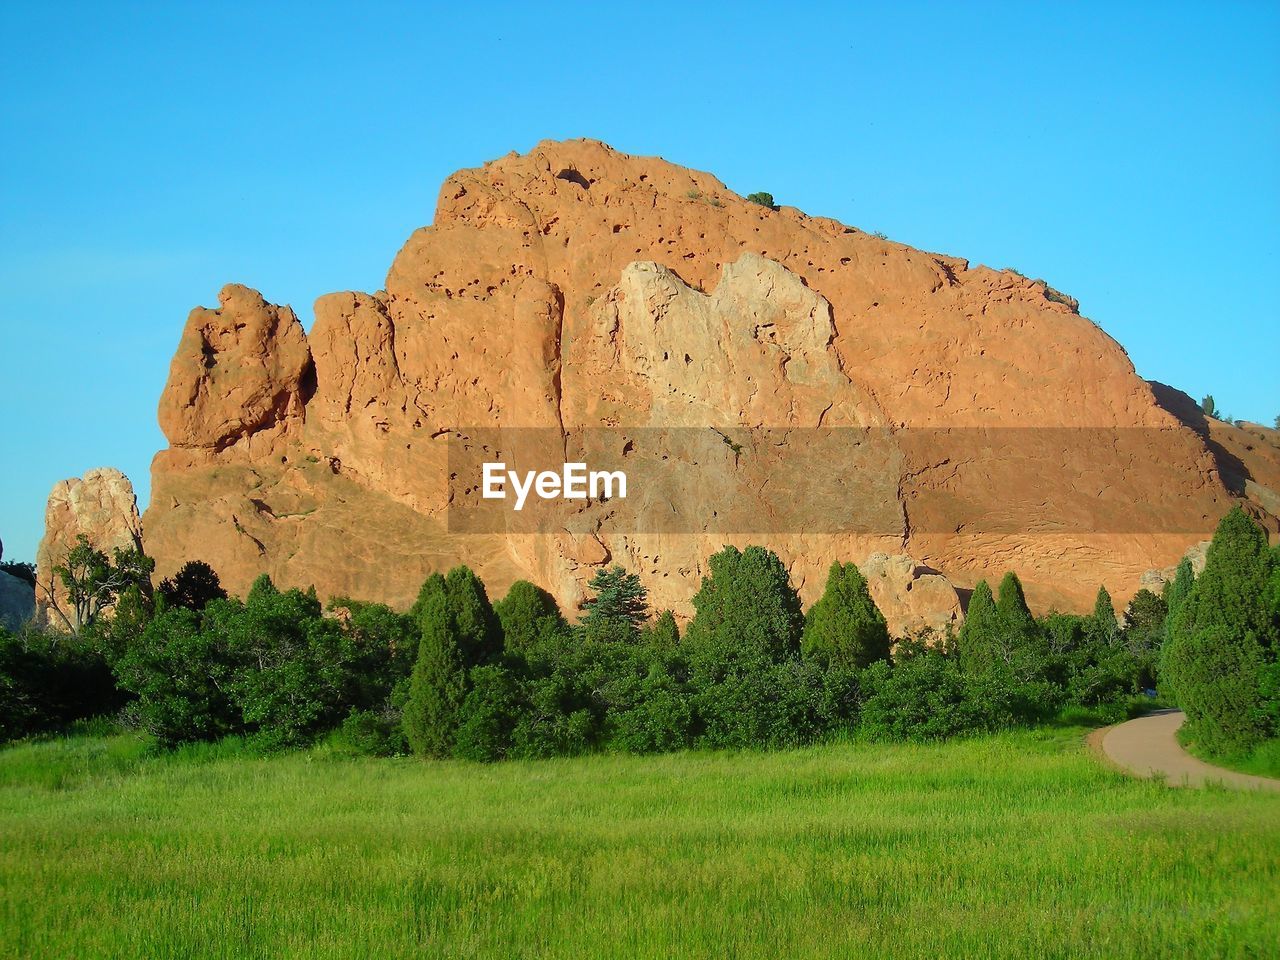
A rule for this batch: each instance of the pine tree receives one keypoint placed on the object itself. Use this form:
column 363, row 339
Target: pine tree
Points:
column 845, row 626
column 619, row 607
column 527, row 614
column 437, row 686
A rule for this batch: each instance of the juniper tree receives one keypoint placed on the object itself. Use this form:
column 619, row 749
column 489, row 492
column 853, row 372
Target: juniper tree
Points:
column 663, row 634
column 1104, row 628
column 845, row 626
column 979, row 643
column 527, row 614
column 1220, row 659
column 437, row 685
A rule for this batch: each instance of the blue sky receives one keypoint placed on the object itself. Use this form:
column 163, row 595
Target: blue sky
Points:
column 150, row 154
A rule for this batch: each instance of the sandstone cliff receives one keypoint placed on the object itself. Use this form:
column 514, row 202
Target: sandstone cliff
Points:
column 577, row 288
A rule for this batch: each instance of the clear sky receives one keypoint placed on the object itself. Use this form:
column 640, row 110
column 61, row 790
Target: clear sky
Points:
column 149, row 154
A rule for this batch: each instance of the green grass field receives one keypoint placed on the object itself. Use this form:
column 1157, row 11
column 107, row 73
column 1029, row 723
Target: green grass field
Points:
column 1021, row 845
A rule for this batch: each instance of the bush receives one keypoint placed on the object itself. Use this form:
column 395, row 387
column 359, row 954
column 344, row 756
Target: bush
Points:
column 927, row 695
column 181, row 675
column 50, row 680
column 488, row 715
column 365, row 733
column 763, row 199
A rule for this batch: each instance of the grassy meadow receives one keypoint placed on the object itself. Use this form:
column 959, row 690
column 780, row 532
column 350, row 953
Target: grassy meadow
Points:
column 1019, row 845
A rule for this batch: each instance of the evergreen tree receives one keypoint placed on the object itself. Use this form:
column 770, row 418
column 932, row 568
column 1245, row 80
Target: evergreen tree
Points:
column 1176, row 591
column 479, row 633
column 746, row 609
column 437, row 686
column 193, row 586
column 1104, row 628
column 663, row 634
column 1220, row 659
column 527, row 614
column 979, row 644
column 1232, row 590
column 1015, row 616
column 845, row 626
column 618, row 608
column 1144, row 623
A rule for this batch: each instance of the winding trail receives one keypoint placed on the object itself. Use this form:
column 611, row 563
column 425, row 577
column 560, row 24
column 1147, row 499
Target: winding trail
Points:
column 1147, row 747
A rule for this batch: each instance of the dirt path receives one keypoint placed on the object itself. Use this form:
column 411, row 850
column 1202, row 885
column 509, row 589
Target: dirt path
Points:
column 1147, row 747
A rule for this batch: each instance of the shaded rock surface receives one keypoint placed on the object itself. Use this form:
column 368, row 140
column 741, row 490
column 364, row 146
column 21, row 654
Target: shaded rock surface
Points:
column 576, row 287
column 17, row 601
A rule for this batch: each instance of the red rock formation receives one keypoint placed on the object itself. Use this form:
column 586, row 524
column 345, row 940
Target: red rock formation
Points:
column 577, row 287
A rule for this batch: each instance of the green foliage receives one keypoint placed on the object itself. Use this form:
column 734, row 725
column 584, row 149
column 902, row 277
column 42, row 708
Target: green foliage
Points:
column 746, row 611
column 845, row 626
column 488, row 715
column 763, row 199
column 618, row 608
column 182, row 675
column 295, row 670
column 526, row 614
column 1220, row 661
column 367, row 733
column 91, row 582
column 1232, row 590
column 655, row 715
column 928, row 694
column 193, row 586
column 48, row 680
column 1176, row 591
column 1221, row 681
column 663, row 633
column 1143, row 634
column 437, row 685
column 1209, row 408
column 1104, row 628
column 980, row 642
column 1018, row 626
column 479, row 633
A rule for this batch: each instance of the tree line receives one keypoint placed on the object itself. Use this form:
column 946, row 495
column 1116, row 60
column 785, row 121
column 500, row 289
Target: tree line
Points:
column 459, row 676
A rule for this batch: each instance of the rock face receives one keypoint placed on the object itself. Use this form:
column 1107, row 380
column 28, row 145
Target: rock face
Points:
column 102, row 506
column 578, row 289
column 912, row 597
